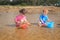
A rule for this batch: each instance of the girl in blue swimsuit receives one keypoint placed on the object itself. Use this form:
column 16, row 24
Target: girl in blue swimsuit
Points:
column 43, row 19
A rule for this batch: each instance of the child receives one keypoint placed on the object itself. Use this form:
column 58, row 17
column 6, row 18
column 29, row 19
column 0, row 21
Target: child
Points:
column 20, row 20
column 43, row 19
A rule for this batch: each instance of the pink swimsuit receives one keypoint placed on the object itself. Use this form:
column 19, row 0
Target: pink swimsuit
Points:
column 20, row 18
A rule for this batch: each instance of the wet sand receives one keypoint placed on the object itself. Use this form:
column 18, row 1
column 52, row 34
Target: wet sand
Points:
column 8, row 31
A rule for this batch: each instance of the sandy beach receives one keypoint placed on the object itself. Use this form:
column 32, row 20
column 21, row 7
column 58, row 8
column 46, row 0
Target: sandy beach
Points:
column 8, row 31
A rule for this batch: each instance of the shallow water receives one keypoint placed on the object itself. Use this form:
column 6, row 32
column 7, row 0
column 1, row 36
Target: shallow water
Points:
column 8, row 31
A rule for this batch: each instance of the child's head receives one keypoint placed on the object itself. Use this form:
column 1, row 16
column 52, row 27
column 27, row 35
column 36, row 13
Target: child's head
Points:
column 23, row 11
column 45, row 11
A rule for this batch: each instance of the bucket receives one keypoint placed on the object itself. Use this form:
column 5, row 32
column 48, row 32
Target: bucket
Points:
column 50, row 24
column 24, row 26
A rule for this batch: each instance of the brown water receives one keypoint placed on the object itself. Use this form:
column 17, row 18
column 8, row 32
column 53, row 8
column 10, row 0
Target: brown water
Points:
column 8, row 31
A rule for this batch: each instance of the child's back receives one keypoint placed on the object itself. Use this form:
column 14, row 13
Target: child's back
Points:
column 20, row 17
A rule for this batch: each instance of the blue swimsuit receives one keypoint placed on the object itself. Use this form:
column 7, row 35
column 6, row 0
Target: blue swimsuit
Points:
column 43, row 18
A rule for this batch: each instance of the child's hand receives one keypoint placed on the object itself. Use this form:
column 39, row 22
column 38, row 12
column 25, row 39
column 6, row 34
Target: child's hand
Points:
column 28, row 23
column 49, row 20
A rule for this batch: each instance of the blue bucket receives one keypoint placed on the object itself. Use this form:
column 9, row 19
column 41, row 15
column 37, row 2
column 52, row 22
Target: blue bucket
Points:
column 50, row 24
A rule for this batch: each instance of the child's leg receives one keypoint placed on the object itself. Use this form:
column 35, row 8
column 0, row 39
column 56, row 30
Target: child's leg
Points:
column 17, row 24
column 39, row 24
column 43, row 25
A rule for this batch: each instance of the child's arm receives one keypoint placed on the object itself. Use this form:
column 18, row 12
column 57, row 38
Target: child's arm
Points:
column 39, row 23
column 49, row 20
column 16, row 21
column 27, row 21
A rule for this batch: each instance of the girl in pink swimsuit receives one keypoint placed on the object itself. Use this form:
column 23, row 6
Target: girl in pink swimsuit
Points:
column 21, row 20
